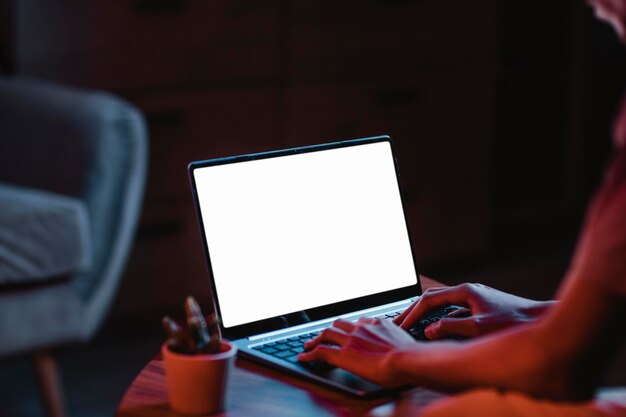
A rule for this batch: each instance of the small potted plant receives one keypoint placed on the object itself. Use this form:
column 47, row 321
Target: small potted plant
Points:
column 197, row 362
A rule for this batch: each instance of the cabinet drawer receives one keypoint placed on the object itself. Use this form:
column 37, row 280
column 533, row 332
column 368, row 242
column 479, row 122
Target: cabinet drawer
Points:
column 203, row 125
column 441, row 129
column 164, row 269
column 449, row 226
column 135, row 44
column 384, row 39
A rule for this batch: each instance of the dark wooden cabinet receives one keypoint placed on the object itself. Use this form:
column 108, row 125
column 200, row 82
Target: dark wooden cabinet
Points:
column 141, row 45
column 381, row 40
column 224, row 77
column 442, row 149
column 500, row 110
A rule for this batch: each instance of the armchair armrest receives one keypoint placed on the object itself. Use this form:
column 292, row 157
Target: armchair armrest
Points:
column 86, row 144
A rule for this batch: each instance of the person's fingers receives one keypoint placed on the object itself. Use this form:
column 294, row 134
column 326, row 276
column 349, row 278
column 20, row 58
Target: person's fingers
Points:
column 461, row 312
column 368, row 320
column 345, row 325
column 398, row 320
column 338, row 333
column 459, row 295
column 452, row 326
column 330, row 336
column 323, row 353
column 362, row 332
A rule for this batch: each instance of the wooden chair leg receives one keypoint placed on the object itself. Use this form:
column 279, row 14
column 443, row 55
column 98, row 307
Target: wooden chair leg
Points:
column 49, row 381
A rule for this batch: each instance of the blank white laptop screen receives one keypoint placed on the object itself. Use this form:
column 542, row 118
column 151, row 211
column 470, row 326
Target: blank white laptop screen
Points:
column 295, row 232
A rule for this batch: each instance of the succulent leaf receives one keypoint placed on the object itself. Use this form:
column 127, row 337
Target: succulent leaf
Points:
column 200, row 335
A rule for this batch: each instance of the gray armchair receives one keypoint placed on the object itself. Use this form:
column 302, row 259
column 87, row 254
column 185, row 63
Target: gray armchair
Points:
column 72, row 174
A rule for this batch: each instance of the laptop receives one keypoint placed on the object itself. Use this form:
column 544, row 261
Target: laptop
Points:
column 297, row 238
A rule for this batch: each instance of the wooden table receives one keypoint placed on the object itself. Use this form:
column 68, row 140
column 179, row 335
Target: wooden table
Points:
column 258, row 391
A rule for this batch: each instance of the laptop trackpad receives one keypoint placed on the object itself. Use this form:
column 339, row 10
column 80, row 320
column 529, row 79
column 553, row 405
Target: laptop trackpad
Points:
column 343, row 379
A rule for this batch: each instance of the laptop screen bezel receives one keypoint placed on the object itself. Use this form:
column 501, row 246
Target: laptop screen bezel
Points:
column 318, row 313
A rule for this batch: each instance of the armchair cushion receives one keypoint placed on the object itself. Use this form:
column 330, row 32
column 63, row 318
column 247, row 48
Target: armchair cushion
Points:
column 43, row 235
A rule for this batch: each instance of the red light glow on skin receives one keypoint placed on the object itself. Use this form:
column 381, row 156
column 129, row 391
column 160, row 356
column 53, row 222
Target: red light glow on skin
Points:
column 619, row 128
column 612, row 12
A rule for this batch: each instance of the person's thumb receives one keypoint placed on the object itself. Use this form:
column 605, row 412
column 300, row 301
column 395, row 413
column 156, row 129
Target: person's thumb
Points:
column 449, row 326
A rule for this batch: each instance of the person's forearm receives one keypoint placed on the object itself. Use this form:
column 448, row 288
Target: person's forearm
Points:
column 509, row 360
column 559, row 356
column 540, row 307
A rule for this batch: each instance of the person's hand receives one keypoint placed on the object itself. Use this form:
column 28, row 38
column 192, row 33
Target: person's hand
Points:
column 484, row 310
column 364, row 348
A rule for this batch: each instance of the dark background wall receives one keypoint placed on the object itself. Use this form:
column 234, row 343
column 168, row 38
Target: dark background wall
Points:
column 500, row 109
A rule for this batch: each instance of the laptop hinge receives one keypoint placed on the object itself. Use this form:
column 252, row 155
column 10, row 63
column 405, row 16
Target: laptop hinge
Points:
column 353, row 315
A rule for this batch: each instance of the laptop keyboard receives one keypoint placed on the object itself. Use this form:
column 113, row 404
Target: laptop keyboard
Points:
column 288, row 349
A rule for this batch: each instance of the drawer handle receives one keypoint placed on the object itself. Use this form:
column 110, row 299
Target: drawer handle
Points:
column 158, row 7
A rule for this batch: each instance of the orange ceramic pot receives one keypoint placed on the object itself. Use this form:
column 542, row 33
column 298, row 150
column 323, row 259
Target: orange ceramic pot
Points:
column 197, row 384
